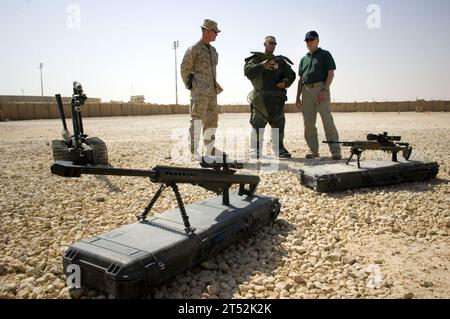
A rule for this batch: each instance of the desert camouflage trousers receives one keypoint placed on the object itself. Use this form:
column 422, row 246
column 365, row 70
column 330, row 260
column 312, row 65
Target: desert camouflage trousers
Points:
column 204, row 119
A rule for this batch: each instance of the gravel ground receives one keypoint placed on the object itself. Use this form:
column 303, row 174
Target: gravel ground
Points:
column 390, row 242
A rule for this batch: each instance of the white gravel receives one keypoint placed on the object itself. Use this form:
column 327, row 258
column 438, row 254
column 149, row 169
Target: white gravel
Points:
column 390, row 242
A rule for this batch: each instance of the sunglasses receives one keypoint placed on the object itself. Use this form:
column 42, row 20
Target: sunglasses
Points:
column 273, row 43
column 309, row 40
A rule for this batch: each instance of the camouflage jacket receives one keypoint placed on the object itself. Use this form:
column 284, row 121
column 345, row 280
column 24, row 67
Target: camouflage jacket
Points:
column 201, row 61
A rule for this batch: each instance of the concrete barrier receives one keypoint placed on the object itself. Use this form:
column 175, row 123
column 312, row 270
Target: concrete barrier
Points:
column 41, row 111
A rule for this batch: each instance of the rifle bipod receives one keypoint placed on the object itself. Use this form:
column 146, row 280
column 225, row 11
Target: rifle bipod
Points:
column 184, row 216
column 357, row 152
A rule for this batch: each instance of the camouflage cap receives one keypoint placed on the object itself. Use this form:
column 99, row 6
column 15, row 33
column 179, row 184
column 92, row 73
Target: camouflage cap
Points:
column 210, row 25
column 270, row 38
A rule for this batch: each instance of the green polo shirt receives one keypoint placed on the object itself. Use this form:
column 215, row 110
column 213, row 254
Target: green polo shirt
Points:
column 314, row 67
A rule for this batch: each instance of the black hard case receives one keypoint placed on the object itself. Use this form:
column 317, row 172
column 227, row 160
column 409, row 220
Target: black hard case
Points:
column 338, row 177
column 128, row 261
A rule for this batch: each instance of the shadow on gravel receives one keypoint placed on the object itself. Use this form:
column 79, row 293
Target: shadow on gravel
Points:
column 243, row 260
column 284, row 165
column 414, row 187
column 112, row 187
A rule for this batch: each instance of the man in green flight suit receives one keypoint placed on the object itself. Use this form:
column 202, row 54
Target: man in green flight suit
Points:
column 270, row 76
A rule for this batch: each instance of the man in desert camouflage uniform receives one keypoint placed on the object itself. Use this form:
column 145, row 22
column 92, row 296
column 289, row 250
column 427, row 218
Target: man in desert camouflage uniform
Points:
column 198, row 71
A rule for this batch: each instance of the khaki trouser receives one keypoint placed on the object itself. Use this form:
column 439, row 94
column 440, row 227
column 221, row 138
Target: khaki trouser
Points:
column 309, row 110
column 204, row 118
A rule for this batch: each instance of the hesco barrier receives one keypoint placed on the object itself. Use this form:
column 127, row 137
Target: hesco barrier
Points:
column 48, row 110
column 136, row 109
column 38, row 99
column 41, row 111
column 105, row 109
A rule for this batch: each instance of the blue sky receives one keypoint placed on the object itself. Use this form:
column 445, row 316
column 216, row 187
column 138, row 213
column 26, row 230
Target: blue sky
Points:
column 125, row 47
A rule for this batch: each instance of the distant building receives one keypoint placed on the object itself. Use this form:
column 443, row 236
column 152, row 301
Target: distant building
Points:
column 137, row 99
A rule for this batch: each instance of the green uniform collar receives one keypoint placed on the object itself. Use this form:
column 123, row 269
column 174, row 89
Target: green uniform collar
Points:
column 317, row 51
column 264, row 56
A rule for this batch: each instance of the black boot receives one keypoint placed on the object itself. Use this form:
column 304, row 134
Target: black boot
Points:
column 283, row 152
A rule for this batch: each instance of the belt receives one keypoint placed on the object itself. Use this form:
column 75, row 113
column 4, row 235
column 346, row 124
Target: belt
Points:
column 313, row 85
column 273, row 93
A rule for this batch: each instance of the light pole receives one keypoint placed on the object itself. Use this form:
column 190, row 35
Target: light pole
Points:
column 175, row 47
column 41, row 65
